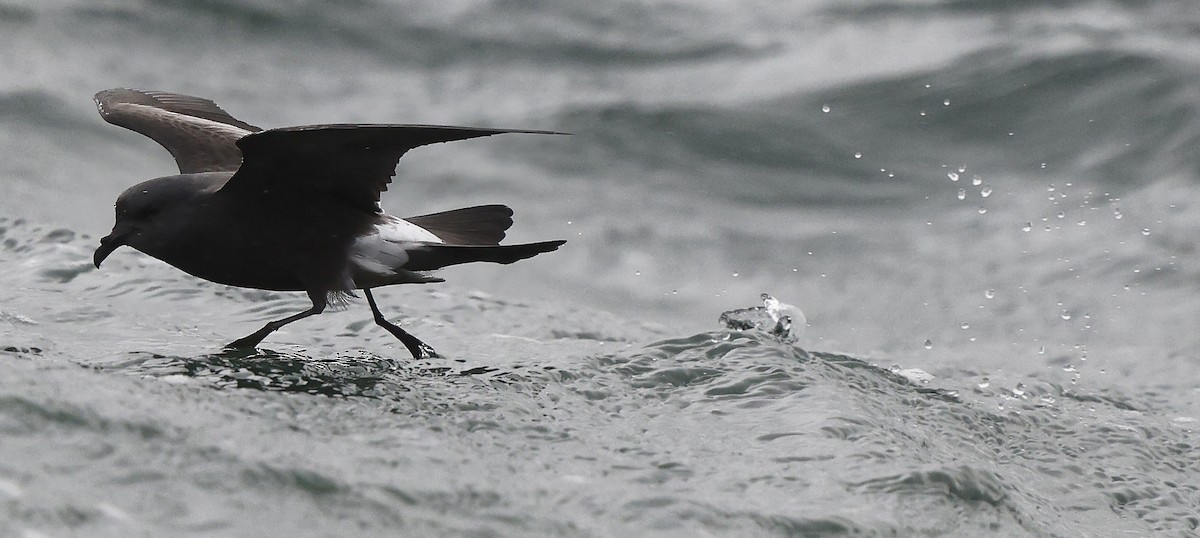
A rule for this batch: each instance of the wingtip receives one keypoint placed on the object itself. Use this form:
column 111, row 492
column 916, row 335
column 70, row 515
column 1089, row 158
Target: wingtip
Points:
column 111, row 97
column 535, row 131
column 113, row 91
column 102, row 94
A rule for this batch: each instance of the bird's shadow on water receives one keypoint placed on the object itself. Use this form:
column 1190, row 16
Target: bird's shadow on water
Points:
column 353, row 373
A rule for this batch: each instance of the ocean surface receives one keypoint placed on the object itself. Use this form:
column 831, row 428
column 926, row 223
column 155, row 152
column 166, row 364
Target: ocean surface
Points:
column 986, row 210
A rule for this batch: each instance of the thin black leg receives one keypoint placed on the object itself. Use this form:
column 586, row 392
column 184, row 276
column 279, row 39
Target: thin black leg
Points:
column 252, row 341
column 419, row 349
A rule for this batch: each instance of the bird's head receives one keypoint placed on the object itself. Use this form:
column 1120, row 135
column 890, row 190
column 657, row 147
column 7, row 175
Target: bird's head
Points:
column 147, row 212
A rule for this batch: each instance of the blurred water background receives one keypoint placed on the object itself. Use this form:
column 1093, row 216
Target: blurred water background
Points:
column 986, row 209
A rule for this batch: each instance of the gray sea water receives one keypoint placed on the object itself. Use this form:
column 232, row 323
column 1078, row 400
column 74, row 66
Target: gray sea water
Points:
column 987, row 211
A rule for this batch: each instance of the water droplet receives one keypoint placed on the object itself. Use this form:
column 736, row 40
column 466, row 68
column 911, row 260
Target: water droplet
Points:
column 1082, row 223
column 946, row 102
column 962, row 194
column 1145, row 231
column 952, row 176
column 985, row 192
column 928, row 344
column 990, row 294
column 966, row 325
column 985, row 383
column 1051, row 187
column 1061, row 215
column 637, row 273
column 1117, row 213
column 735, row 273
column 976, row 180
column 825, row 108
column 1042, row 350
column 1043, row 164
column 1027, row 227
column 1065, row 315
column 858, row 155
column 982, row 210
column 1019, row 390
column 962, row 169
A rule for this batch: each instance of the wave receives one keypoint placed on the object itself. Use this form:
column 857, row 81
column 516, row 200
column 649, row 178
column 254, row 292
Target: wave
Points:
column 1121, row 118
column 440, row 35
column 1117, row 116
column 38, row 109
column 707, row 430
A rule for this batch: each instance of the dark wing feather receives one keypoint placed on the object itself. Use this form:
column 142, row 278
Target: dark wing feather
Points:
column 479, row 225
column 199, row 134
column 433, row 256
column 343, row 163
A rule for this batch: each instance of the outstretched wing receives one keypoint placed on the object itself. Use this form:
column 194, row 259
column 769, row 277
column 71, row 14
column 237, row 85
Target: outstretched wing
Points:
column 348, row 164
column 199, row 134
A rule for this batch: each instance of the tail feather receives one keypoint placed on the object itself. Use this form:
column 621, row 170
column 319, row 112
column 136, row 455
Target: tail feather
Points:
column 433, row 256
column 479, row 225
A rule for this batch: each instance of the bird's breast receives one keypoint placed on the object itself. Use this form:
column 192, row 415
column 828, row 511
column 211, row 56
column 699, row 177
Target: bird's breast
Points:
column 259, row 248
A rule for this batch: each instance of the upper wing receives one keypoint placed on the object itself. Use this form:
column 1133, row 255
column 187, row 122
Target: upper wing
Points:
column 347, row 163
column 198, row 133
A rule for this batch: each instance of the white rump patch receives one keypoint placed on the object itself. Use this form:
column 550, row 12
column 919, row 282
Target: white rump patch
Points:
column 385, row 248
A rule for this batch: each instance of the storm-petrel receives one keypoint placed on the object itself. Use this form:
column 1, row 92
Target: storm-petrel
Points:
column 295, row 208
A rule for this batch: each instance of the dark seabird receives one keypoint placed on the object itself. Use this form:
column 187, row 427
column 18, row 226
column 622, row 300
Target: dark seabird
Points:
column 295, row 208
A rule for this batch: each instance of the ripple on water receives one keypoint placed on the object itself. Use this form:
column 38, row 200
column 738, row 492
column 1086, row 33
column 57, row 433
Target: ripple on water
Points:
column 726, row 433
column 352, row 374
column 963, row 483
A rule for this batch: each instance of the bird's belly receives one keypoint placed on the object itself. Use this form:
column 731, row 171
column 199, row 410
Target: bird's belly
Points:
column 232, row 268
column 279, row 261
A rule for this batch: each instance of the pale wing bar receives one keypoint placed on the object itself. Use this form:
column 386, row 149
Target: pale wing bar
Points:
column 199, row 134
